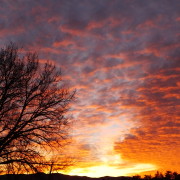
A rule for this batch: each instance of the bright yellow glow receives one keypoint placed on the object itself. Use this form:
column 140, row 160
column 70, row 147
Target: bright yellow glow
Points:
column 114, row 166
column 105, row 170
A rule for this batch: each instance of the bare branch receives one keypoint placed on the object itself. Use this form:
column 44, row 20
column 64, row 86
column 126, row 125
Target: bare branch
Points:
column 32, row 107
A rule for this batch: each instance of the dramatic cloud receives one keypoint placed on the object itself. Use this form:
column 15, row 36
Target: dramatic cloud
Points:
column 122, row 56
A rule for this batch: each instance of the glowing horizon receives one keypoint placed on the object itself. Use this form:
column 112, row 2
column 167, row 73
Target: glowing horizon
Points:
column 101, row 171
column 112, row 167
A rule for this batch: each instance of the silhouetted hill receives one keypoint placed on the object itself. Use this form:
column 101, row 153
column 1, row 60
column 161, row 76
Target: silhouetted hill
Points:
column 42, row 176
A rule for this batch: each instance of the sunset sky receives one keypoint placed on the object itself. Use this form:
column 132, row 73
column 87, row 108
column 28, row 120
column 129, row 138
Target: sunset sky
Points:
column 123, row 59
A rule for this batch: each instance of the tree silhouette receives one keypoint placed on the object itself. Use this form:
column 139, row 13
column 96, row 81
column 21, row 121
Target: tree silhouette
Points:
column 175, row 174
column 168, row 175
column 147, row 177
column 158, row 175
column 33, row 103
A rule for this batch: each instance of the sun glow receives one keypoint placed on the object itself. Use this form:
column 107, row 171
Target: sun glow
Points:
column 114, row 166
column 113, row 171
column 103, row 159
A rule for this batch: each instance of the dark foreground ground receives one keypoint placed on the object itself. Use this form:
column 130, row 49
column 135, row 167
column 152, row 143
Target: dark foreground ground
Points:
column 56, row 177
column 42, row 176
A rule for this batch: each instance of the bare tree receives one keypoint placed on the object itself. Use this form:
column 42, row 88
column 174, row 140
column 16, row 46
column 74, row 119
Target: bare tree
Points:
column 33, row 103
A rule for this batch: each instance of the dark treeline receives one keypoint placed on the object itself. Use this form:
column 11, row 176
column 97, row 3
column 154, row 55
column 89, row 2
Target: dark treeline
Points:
column 169, row 175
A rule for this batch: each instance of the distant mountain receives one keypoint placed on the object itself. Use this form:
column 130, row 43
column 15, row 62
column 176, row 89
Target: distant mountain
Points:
column 42, row 176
